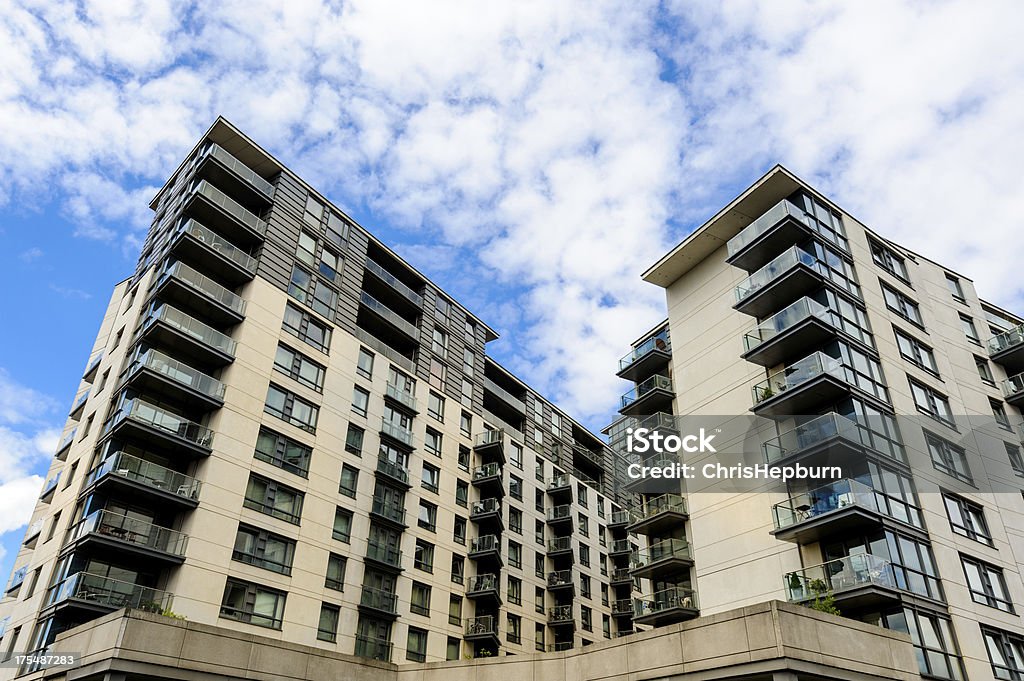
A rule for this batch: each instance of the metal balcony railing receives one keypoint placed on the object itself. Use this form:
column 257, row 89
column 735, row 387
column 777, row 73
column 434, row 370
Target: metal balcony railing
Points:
column 393, row 469
column 764, row 223
column 401, row 395
column 1006, row 340
column 387, row 313
column 775, row 269
column 396, row 431
column 107, row 592
column 379, row 599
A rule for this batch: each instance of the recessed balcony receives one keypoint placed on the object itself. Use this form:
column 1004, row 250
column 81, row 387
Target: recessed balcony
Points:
column 393, row 281
column 488, row 479
column 373, row 648
column 561, row 581
column 171, row 328
column 195, row 243
column 658, row 515
column 17, row 579
column 560, row 515
column 619, row 519
column 159, row 427
column 384, row 555
column 152, row 372
column 622, row 607
column 386, row 314
column 621, row 547
column 486, row 512
column 491, row 443
column 650, row 357
column 219, row 165
column 210, row 206
column 791, row 275
column 1013, row 389
column 393, row 471
column 396, row 431
column 134, row 478
column 389, row 511
column 110, row 531
column 505, row 396
column 378, row 602
column 561, row 616
column 858, row 582
column 782, row 226
column 559, row 485
column 802, row 387
column 32, row 534
column 486, row 549
column 89, row 375
column 654, row 394
column 99, row 594
column 560, row 546
column 1008, row 349
column 483, row 629
column 675, row 604
column 485, row 588
column 620, row 576
column 791, row 332
column 660, row 558
column 184, row 286
column 65, row 444
column 49, row 487
column 402, row 397
column 78, row 406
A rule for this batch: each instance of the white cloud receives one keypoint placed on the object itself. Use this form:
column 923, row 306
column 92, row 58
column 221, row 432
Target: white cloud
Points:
column 30, row 255
column 17, row 499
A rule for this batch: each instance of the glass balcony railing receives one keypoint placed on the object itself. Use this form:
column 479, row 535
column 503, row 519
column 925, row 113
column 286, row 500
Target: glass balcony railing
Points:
column 34, row 530
column 662, row 550
column 373, row 648
column 490, row 437
column 623, row 606
column 231, row 207
column 801, row 371
column 487, row 471
column 396, row 431
column 487, row 582
column 1006, row 340
column 822, row 501
column 130, row 530
column 666, row 503
column 775, row 269
column 240, row 169
column 621, row 575
column 146, row 473
column 67, row 439
column 559, row 544
column 80, row 401
column 50, row 485
column 17, row 578
column 379, row 599
column 620, row 518
column 809, row 434
column 772, row 217
column 621, row 546
column 190, row 326
column 387, row 313
column 93, row 363
column 488, row 542
column 401, row 395
column 383, row 553
column 219, row 244
column 843, row 574
column 561, row 512
column 659, row 341
column 559, row 481
column 787, row 318
column 560, row 613
column 394, row 282
column 653, row 383
column 484, row 507
column 485, row 625
column 1014, row 386
column 204, row 285
column 178, row 372
column 387, row 508
column 559, row 578
column 149, row 415
column 666, row 599
column 107, row 592
column 393, row 469
column 505, row 395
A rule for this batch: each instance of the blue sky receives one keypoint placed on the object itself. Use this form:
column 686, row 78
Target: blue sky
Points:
column 533, row 159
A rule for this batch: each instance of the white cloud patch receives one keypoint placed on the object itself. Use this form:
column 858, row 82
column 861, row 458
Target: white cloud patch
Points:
column 538, row 156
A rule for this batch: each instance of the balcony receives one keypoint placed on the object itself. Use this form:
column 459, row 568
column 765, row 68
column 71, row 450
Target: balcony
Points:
column 393, row 471
column 655, row 394
column 388, row 315
column 65, row 444
column 667, row 606
column 483, row 628
column 560, row 484
column 623, row 606
column 831, row 439
column 488, row 478
column 619, row 519
column 668, row 555
column 184, row 286
column 858, row 582
column 659, row 514
column 195, row 243
column 78, row 406
column 99, row 594
column 620, row 577
column 561, row 616
column 559, row 546
column 373, row 648
column 17, row 579
column 585, row 457
column 159, row 427
column 393, row 281
column 802, row 387
column 491, row 442
column 225, row 170
column 486, row 548
column 172, row 328
column 388, row 511
column 486, row 587
column 378, row 602
column 396, row 432
column 48, row 488
column 153, row 372
column 402, row 397
column 141, row 480
column 505, row 396
column 782, row 226
column 561, row 582
column 795, row 330
column 213, row 207
column 384, row 555
column 793, row 274
column 33, row 532
column 89, row 375
column 486, row 511
column 1013, row 388
column 650, row 357
column 110, row 531
column 621, row 547
column 557, row 515
column 1008, row 349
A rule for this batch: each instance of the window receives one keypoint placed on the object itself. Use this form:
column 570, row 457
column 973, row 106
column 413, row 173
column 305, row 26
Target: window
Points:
column 584, row 526
column 306, row 251
column 1016, row 461
column 458, row 569
column 602, row 560
column 515, row 520
column 948, row 458
column 516, row 455
column 468, row 362
column 515, row 590
column 464, row 458
column 432, row 442
column 438, row 373
column 515, row 487
column 71, row 475
column 999, row 414
column 986, row 584
column 454, row 650
column 538, row 469
column 416, row 647
column 53, row 527
column 538, row 564
column 515, row 554
column 307, row 329
column 581, row 493
column 902, row 305
column 584, row 555
column 1005, row 652
column 600, row 506
column 420, row 601
column 606, row 625
column 32, row 582
column 430, row 478
column 515, row 629
column 283, row 452
column 538, row 437
column 313, row 212
column 335, row 578
column 967, row 324
column 955, row 289
column 319, row 296
column 985, row 371
column 455, row 610
column 349, row 481
column 299, row 367
column 585, row 591
column 467, row 393
column 443, row 308
column 889, row 261
column 601, row 538
column 538, row 531
column 263, row 549
column 252, row 603
column 587, row 618
column 435, row 406
column 967, row 519
column 604, row 595
column 538, row 636
column 459, row 530
column 916, row 352
column 466, row 424
column 428, row 516
column 9, row 651
column 439, row 345
column 337, row 230
column 290, row 407
column 354, row 440
column 274, row 499
column 538, row 500
column 360, row 400
column 364, row 365
column 538, row 599
column 424, row 558
column 462, row 493
column 931, row 403
column 327, row 628
column 342, row 528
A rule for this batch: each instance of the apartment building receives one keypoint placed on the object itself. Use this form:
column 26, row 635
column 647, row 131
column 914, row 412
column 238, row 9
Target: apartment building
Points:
column 831, row 343
column 284, row 429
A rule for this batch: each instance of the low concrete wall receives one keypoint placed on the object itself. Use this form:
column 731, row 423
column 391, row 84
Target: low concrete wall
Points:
column 769, row 640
